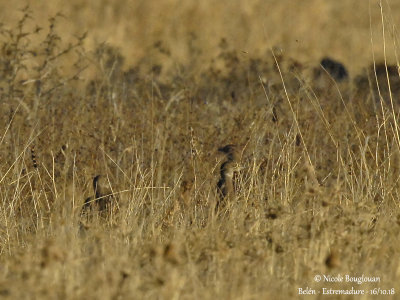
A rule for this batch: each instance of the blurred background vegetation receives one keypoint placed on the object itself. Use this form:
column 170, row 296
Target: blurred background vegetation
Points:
column 307, row 30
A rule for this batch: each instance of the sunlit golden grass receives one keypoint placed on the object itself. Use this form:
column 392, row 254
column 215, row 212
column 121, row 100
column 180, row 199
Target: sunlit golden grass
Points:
column 315, row 188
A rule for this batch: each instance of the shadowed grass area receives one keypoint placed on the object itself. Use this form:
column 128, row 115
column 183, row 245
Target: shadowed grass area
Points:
column 316, row 188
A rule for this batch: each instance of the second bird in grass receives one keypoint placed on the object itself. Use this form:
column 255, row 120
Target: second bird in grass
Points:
column 225, row 184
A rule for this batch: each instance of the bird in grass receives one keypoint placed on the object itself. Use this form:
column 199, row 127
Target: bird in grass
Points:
column 225, row 184
column 103, row 196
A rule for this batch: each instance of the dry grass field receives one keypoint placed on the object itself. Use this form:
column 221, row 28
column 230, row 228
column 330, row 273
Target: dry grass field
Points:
column 146, row 94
